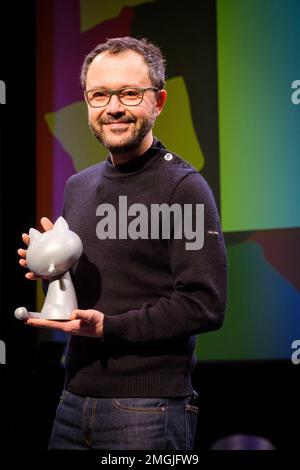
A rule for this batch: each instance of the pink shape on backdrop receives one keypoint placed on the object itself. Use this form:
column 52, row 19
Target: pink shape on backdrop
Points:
column 70, row 46
column 281, row 249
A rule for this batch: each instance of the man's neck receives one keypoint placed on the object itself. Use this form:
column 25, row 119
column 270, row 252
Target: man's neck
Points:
column 119, row 158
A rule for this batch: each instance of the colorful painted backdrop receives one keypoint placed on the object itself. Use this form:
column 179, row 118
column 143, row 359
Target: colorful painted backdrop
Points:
column 231, row 64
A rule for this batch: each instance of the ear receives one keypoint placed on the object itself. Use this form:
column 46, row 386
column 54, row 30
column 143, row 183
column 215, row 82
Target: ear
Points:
column 161, row 97
column 85, row 98
column 34, row 235
column 61, row 224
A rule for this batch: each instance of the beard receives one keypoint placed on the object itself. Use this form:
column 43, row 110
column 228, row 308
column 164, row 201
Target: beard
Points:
column 119, row 144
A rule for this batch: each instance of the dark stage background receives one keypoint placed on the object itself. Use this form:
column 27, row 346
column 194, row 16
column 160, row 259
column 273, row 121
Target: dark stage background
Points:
column 254, row 394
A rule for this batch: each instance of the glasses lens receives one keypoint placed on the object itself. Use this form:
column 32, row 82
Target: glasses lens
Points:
column 127, row 96
column 98, row 97
column 131, row 96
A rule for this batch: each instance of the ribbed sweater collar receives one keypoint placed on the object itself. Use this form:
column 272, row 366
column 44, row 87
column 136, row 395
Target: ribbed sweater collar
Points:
column 136, row 164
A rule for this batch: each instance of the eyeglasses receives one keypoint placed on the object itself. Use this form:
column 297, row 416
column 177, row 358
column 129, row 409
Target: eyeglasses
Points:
column 131, row 96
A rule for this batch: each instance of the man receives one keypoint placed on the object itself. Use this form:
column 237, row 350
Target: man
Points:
column 145, row 288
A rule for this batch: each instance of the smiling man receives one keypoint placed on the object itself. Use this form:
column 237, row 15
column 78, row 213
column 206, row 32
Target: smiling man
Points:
column 142, row 299
column 122, row 118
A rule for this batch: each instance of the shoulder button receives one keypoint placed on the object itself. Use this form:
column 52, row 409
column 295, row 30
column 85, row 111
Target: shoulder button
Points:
column 168, row 157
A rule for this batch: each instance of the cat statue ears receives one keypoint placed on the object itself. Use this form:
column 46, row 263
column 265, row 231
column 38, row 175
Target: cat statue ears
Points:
column 53, row 252
column 50, row 255
column 60, row 224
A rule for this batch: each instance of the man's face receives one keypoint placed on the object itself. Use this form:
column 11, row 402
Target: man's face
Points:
column 118, row 127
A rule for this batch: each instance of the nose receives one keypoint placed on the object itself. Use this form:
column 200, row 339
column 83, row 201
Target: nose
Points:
column 114, row 106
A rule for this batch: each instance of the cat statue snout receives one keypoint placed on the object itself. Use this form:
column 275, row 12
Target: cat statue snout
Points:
column 51, row 255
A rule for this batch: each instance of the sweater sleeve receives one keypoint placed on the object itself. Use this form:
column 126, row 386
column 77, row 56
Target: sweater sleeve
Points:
column 197, row 303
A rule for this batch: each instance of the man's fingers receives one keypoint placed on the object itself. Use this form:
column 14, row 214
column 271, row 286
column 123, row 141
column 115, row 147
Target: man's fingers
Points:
column 22, row 252
column 31, row 276
column 66, row 326
column 41, row 323
column 25, row 238
column 86, row 315
column 82, row 322
column 46, row 223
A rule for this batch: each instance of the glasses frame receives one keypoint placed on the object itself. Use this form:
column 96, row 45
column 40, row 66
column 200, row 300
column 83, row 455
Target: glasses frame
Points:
column 117, row 92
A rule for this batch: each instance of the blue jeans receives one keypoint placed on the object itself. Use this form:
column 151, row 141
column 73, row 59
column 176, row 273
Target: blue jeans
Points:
column 124, row 423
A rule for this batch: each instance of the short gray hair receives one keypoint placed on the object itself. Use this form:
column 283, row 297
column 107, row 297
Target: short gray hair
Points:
column 150, row 53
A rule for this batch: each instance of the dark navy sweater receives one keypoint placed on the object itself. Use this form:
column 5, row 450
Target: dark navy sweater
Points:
column 155, row 294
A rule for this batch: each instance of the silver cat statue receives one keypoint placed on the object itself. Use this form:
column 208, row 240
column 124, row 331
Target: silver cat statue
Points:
column 50, row 255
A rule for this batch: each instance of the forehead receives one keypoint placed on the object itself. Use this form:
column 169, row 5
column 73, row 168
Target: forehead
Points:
column 118, row 70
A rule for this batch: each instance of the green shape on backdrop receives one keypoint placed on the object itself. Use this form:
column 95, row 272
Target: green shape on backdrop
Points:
column 70, row 127
column 174, row 127
column 258, row 58
column 262, row 313
column 93, row 12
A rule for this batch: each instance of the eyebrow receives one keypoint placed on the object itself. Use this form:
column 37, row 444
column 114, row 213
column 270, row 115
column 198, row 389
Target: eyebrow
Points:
column 119, row 88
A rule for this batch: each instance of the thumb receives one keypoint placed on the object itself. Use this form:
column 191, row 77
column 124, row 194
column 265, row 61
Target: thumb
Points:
column 46, row 223
column 86, row 315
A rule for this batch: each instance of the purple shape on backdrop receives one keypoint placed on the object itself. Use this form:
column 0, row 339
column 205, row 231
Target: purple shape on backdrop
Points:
column 63, row 168
column 71, row 46
column 69, row 49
